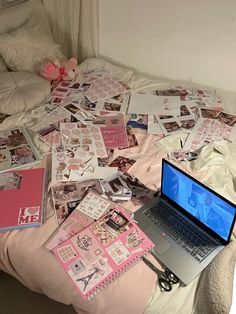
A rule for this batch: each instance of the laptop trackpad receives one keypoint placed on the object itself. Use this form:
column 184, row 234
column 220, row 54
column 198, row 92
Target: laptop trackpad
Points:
column 161, row 244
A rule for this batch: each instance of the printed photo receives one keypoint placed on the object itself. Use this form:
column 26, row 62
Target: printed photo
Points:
column 22, row 155
column 184, row 111
column 226, row 118
column 187, row 124
column 122, row 163
column 109, row 106
column 10, row 181
column 16, row 138
column 171, row 126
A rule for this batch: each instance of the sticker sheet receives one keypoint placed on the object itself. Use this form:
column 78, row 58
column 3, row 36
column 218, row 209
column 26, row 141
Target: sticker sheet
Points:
column 104, row 88
column 205, row 131
column 73, row 163
column 115, row 136
column 88, row 137
column 102, row 251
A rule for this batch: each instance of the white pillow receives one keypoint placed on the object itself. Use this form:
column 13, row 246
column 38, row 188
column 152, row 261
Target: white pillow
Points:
column 27, row 48
column 21, row 91
column 3, row 67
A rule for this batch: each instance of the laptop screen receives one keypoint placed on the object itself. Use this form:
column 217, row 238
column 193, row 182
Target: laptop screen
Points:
column 212, row 210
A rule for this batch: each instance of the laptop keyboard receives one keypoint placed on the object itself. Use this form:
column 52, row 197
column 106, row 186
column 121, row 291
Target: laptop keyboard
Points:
column 183, row 232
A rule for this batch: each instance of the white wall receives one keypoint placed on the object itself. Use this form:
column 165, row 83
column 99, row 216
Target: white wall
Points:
column 177, row 39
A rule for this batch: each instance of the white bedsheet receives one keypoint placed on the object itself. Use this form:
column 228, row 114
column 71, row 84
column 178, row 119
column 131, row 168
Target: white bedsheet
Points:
column 22, row 254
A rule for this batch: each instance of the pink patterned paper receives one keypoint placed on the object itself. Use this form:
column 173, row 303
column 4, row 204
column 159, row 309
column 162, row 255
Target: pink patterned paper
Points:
column 115, row 136
column 103, row 88
column 101, row 252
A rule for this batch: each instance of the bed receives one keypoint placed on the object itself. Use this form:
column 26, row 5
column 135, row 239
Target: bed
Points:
column 23, row 256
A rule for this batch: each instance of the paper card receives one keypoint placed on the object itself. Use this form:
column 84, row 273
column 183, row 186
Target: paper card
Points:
column 103, row 88
column 151, row 104
column 115, row 136
column 154, row 126
column 72, row 163
column 122, row 163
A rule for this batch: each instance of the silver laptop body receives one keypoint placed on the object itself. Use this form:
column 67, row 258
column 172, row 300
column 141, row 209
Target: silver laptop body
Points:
column 188, row 222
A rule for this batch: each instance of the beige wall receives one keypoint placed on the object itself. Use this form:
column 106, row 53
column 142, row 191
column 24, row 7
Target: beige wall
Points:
column 178, row 39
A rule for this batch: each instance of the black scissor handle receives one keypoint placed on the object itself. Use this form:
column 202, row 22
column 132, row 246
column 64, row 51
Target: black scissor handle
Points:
column 171, row 276
column 166, row 285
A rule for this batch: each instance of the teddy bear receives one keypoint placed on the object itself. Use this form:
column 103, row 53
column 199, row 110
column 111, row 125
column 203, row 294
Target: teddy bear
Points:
column 57, row 71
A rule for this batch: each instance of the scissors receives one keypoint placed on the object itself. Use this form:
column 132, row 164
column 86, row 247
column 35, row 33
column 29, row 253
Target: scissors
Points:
column 166, row 278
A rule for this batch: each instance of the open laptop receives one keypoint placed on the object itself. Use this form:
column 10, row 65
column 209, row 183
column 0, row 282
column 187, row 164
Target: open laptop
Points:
column 188, row 222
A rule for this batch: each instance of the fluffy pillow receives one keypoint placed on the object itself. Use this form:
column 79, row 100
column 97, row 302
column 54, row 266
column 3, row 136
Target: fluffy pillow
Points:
column 21, row 91
column 27, row 48
column 3, row 67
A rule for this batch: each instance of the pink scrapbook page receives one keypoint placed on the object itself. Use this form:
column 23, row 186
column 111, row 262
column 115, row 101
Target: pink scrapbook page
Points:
column 91, row 208
column 115, row 136
column 102, row 251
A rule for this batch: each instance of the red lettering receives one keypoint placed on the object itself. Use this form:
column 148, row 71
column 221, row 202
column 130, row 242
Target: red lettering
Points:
column 34, row 218
column 23, row 220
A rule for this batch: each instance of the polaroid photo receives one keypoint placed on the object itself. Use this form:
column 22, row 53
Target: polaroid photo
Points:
column 187, row 123
column 116, row 188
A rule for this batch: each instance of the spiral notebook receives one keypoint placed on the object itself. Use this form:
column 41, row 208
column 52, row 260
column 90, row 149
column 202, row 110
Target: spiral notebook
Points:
column 101, row 252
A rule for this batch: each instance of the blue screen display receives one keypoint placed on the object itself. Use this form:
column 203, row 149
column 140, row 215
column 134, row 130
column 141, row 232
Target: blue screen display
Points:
column 204, row 205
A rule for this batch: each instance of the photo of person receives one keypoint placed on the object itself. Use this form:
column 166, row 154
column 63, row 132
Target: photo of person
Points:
column 22, row 155
column 188, row 124
column 209, row 113
column 171, row 126
column 10, row 181
column 88, row 105
column 111, row 106
column 227, row 118
column 72, row 108
column 16, row 138
column 117, row 221
column 184, row 111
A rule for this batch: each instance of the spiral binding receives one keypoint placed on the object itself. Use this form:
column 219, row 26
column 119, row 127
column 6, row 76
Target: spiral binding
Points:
column 90, row 295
